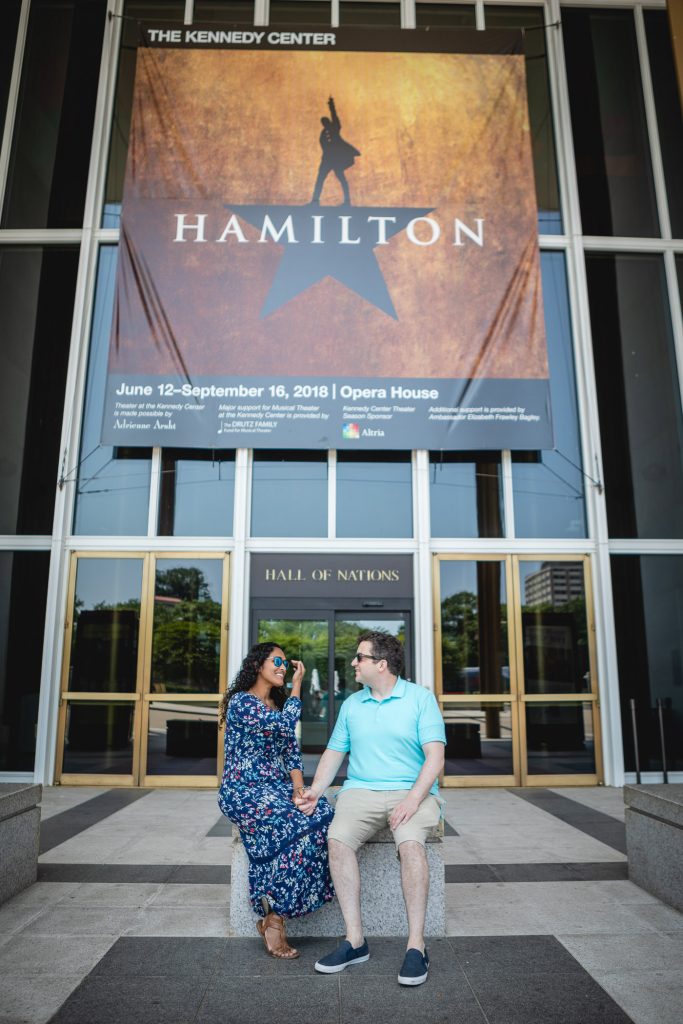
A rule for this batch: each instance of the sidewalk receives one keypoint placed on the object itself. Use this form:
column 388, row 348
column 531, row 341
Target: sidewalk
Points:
column 129, row 923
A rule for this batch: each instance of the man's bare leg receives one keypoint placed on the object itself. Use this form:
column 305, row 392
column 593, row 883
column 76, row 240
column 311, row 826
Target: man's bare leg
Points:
column 346, row 877
column 415, row 884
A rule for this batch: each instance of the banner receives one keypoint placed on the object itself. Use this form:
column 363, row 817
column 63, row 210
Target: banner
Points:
column 329, row 240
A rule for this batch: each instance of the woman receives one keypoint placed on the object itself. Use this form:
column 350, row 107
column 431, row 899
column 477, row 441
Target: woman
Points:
column 263, row 775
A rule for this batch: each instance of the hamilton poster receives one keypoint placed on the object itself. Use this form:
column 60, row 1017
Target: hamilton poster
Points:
column 329, row 240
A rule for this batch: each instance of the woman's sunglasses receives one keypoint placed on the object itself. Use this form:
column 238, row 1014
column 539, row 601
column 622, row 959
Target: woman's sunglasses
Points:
column 278, row 661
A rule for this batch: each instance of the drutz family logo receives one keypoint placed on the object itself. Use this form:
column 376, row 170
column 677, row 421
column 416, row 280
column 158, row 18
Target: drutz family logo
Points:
column 327, row 241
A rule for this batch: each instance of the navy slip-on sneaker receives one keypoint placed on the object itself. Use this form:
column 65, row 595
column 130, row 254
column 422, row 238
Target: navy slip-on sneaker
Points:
column 414, row 968
column 343, row 956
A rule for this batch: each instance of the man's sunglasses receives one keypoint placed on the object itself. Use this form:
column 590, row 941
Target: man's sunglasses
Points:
column 369, row 657
column 278, row 661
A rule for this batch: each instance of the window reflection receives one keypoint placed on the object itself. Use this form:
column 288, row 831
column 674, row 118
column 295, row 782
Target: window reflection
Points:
column 669, row 112
column 98, row 738
column 234, row 12
column 466, row 494
column 182, row 738
column 106, row 625
column 639, row 400
column 374, row 494
column 48, row 169
column 37, row 287
column 548, row 486
column 197, row 493
column 299, row 12
column 531, row 20
column 23, row 596
column 474, row 645
column 289, row 494
column 648, row 610
column 560, row 739
column 351, row 13
column 113, row 483
column 478, row 739
column 616, row 190
column 186, row 633
column 307, row 640
column 446, row 15
column 8, row 39
column 554, row 627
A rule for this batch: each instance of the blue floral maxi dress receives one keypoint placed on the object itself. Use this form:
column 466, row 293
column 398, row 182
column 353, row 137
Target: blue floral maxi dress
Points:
column 287, row 850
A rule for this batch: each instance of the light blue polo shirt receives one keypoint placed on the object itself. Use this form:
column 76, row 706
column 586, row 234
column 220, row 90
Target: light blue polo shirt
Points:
column 384, row 737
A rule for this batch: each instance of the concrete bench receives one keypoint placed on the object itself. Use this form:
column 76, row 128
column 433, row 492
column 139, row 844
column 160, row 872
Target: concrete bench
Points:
column 654, row 840
column 382, row 904
column 19, row 837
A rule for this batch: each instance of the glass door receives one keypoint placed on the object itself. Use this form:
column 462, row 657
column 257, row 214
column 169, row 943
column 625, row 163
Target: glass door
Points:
column 515, row 670
column 305, row 637
column 326, row 642
column 474, row 685
column 559, row 721
column 144, row 667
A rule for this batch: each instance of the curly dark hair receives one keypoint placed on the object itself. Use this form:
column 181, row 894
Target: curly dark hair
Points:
column 247, row 676
column 386, row 646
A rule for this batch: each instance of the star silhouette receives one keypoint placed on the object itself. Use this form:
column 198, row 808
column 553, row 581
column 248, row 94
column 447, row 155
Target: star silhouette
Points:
column 340, row 244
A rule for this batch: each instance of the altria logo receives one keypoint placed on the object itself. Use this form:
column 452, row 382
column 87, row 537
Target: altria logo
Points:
column 332, row 241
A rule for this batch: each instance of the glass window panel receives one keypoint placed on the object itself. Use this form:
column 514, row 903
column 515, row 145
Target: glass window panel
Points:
column 616, row 190
column 648, row 610
column 233, row 12
column 352, row 13
column 639, row 400
column 445, row 15
column 37, row 287
column 106, row 625
column 559, row 739
column 8, row 40
column 374, row 494
column 48, row 169
column 669, row 113
column 478, row 739
column 197, row 493
column 346, row 633
column 186, row 634
column 291, row 12
column 306, row 640
column 548, row 486
column 554, row 627
column 466, row 494
column 289, row 494
column 135, row 11
column 182, row 738
column 23, row 595
column 474, row 643
column 531, row 20
column 113, row 483
column 98, row 739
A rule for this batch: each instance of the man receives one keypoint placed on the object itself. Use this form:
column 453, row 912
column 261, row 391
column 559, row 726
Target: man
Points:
column 395, row 737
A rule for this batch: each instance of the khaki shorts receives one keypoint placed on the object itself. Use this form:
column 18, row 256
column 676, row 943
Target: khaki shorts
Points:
column 359, row 813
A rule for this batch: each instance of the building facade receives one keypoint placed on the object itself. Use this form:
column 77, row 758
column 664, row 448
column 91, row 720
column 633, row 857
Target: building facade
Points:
column 539, row 593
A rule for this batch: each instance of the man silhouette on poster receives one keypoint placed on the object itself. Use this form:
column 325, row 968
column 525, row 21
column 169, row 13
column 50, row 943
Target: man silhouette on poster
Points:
column 338, row 155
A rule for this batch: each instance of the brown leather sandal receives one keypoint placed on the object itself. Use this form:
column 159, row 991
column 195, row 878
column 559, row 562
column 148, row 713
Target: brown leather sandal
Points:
column 272, row 931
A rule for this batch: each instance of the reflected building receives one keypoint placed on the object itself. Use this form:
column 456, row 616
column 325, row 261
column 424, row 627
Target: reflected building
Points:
column 554, row 584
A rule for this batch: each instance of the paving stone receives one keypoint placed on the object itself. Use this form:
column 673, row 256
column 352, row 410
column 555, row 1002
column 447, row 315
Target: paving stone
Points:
column 126, row 999
column 313, row 1000
column 162, row 956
